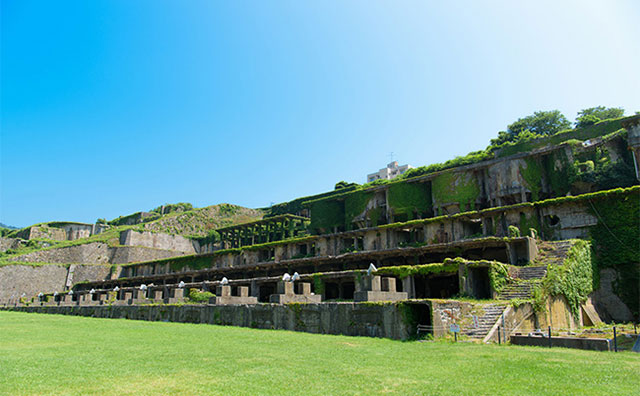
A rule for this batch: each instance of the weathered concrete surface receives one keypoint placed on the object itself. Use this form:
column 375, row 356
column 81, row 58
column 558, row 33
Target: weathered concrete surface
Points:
column 592, row 344
column 157, row 240
column 371, row 320
column 18, row 279
column 608, row 305
column 96, row 253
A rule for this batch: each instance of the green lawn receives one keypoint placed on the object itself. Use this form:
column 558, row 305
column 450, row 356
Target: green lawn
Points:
column 59, row 355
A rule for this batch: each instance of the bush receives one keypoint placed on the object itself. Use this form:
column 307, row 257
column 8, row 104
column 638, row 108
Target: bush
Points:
column 198, row 296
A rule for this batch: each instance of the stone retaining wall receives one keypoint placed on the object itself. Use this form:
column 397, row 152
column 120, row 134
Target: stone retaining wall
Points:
column 371, row 320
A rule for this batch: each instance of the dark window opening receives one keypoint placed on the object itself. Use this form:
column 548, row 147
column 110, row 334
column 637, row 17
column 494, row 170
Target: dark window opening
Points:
column 266, row 290
column 480, row 282
column 437, row 287
column 552, row 220
column 331, row 291
column 348, row 288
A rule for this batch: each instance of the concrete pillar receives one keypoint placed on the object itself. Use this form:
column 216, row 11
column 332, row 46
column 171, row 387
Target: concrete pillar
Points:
column 409, row 286
column 223, row 291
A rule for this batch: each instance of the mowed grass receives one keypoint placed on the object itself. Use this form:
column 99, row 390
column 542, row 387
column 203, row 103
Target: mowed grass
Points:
column 64, row 355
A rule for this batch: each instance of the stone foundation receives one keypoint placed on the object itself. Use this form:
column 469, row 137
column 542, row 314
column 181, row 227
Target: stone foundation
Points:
column 353, row 319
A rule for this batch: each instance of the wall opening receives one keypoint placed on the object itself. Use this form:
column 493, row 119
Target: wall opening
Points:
column 480, row 282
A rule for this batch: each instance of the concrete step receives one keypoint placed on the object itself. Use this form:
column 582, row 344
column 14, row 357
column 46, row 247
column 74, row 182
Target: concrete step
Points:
column 527, row 273
column 485, row 322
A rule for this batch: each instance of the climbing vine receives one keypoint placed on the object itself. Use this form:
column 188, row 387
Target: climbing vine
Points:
column 615, row 243
column 354, row 205
column 532, row 175
column 410, row 198
column 573, row 279
column 456, row 187
column 327, row 214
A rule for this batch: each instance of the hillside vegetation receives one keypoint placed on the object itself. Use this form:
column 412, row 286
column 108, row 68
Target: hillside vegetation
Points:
column 200, row 222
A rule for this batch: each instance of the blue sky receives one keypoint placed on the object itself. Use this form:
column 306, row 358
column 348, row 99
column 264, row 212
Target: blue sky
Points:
column 111, row 107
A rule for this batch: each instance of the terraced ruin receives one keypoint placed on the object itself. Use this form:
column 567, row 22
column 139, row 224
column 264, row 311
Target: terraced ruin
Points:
column 543, row 233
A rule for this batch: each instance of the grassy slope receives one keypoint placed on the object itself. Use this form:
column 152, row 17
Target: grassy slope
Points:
column 198, row 222
column 194, row 223
column 50, row 354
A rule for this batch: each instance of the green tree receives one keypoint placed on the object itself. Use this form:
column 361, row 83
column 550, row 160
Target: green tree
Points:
column 594, row 114
column 540, row 123
column 343, row 184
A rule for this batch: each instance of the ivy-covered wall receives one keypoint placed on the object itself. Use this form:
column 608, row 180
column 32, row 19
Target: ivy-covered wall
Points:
column 573, row 279
column 354, row 205
column 616, row 243
column 560, row 172
column 410, row 198
column 456, row 187
column 532, row 175
column 327, row 214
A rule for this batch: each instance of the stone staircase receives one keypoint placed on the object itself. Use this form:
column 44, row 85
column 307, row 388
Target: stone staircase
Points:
column 549, row 253
column 552, row 252
column 522, row 287
column 492, row 313
column 529, row 273
column 521, row 290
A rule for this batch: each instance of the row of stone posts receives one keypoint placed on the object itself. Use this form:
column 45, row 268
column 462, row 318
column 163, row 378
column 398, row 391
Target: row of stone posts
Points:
column 370, row 288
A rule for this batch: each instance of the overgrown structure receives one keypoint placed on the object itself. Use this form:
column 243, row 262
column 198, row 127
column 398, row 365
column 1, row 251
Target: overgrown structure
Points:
column 543, row 232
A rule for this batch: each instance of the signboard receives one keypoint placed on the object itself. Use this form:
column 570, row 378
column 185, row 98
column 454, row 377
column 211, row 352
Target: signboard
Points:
column 454, row 328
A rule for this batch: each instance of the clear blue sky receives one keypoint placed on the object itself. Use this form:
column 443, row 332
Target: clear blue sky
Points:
column 111, row 107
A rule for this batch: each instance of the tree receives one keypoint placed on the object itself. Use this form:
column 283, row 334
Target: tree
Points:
column 594, row 114
column 343, row 184
column 541, row 123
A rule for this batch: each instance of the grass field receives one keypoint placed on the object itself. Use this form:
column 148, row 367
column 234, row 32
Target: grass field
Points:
column 60, row 355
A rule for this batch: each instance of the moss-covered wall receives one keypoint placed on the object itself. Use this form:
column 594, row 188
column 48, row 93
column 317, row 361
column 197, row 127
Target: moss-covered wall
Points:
column 532, row 175
column 354, row 205
column 327, row 214
column 410, row 199
column 616, row 243
column 461, row 188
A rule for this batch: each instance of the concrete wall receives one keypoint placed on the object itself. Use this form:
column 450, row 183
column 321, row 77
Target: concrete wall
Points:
column 592, row 344
column 18, row 279
column 158, row 241
column 372, row 320
column 608, row 305
column 95, row 253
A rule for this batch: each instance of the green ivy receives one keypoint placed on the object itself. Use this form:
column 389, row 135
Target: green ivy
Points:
column 456, row 187
column 573, row 279
column 354, row 205
column 615, row 243
column 408, row 198
column 532, row 175
column 327, row 214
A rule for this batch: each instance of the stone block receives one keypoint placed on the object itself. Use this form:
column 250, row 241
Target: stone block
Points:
column 233, row 300
column 285, row 287
column 370, row 295
column 304, row 288
column 243, row 291
column 223, row 291
column 388, row 284
column 295, row 298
